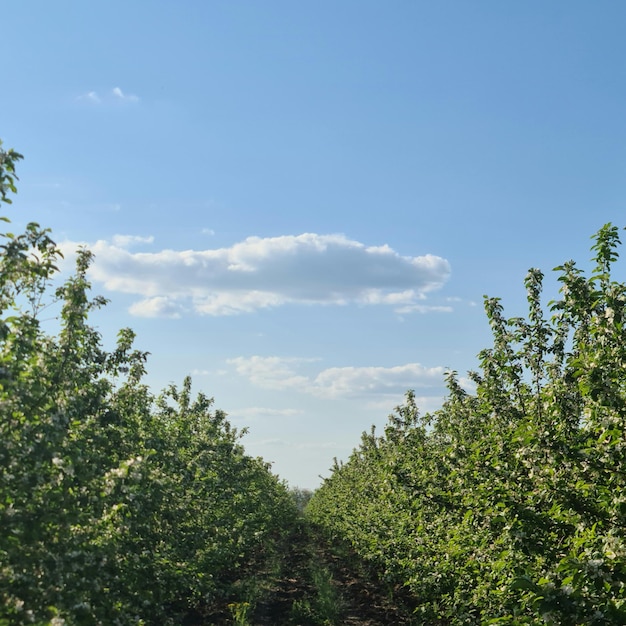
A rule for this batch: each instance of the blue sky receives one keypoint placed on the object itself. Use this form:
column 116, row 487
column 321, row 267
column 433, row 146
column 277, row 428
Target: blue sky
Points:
column 302, row 203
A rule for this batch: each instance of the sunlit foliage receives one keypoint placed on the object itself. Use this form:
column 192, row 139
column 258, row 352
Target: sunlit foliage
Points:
column 508, row 505
column 116, row 507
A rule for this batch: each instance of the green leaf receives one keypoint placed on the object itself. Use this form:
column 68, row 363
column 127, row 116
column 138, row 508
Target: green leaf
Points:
column 524, row 583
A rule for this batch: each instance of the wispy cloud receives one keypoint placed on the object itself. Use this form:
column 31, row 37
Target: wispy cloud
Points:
column 159, row 306
column 424, row 308
column 260, row 273
column 114, row 95
column 120, row 95
column 456, row 299
column 255, row 412
column 295, row 445
column 201, row 372
column 272, row 372
column 279, row 373
column 90, row 96
column 386, row 404
column 126, row 241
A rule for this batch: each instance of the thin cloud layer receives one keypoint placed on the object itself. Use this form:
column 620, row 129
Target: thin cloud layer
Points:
column 281, row 374
column 260, row 273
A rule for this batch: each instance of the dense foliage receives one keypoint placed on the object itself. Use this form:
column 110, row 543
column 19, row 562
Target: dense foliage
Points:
column 508, row 505
column 116, row 507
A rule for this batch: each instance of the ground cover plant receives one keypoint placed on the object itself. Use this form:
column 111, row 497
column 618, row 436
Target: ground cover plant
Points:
column 116, row 507
column 508, row 505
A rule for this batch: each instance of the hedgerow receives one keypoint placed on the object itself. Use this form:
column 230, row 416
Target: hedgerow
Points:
column 507, row 505
column 116, row 506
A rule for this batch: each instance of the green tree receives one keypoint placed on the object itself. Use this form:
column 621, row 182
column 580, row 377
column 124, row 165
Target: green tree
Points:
column 116, row 507
column 508, row 504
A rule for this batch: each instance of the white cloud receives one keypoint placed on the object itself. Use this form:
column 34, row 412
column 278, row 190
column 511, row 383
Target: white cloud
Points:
column 423, row 308
column 271, row 443
column 457, row 299
column 468, row 384
column 341, row 381
column 254, row 412
column 271, row 372
column 120, row 95
column 159, row 306
column 90, row 96
column 388, row 403
column 126, row 241
column 283, row 373
column 116, row 94
column 260, row 273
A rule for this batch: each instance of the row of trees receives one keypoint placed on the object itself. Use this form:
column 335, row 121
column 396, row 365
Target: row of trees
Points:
column 508, row 505
column 116, row 506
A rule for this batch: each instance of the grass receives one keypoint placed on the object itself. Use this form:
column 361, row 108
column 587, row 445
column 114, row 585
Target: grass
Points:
column 325, row 606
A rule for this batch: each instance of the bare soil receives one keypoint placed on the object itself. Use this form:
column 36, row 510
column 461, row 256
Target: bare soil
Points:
column 360, row 599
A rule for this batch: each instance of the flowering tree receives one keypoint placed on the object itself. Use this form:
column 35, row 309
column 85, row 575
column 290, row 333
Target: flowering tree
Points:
column 508, row 505
column 116, row 507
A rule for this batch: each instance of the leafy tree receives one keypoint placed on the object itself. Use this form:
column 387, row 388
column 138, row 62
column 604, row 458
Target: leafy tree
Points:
column 300, row 497
column 116, row 507
column 507, row 505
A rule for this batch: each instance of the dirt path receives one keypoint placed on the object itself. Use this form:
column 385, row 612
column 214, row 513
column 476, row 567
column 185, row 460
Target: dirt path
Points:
column 321, row 588
column 316, row 584
column 293, row 586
